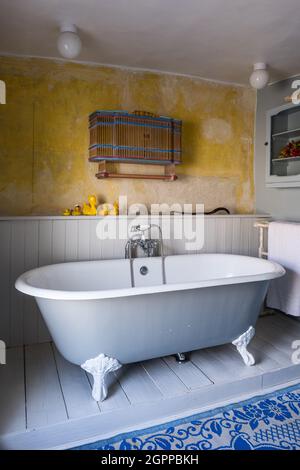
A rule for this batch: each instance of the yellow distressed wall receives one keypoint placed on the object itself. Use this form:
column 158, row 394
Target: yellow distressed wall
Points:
column 44, row 136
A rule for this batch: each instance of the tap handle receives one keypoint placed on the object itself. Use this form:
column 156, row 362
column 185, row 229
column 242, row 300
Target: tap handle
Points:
column 140, row 228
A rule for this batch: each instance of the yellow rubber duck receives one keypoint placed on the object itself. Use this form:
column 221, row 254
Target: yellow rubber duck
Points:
column 104, row 210
column 115, row 209
column 67, row 212
column 91, row 208
column 77, row 210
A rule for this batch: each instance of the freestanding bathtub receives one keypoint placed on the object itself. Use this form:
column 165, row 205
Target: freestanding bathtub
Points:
column 102, row 314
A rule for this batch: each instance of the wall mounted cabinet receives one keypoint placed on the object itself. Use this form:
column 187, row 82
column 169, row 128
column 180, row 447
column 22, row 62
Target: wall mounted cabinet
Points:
column 283, row 157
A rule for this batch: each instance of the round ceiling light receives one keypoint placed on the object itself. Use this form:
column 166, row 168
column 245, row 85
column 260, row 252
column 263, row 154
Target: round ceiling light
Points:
column 260, row 76
column 68, row 42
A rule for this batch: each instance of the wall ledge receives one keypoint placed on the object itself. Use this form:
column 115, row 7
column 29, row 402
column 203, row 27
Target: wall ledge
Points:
column 84, row 217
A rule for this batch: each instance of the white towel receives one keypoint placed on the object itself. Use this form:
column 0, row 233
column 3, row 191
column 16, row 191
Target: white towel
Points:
column 284, row 247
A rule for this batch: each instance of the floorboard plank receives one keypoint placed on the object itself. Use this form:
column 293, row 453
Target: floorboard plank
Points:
column 76, row 389
column 12, row 392
column 137, row 384
column 169, row 383
column 277, row 336
column 211, row 365
column 45, row 403
column 288, row 324
column 270, row 352
column 188, row 373
column 233, row 361
column 281, row 376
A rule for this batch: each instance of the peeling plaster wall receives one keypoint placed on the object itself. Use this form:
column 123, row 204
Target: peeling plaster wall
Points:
column 44, row 136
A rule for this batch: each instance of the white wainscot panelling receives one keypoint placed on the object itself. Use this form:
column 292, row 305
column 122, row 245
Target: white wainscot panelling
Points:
column 28, row 242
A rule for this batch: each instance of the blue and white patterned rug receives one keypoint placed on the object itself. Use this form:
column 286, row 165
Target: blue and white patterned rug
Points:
column 263, row 423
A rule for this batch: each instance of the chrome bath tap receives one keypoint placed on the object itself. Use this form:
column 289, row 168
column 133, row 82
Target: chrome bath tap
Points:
column 150, row 247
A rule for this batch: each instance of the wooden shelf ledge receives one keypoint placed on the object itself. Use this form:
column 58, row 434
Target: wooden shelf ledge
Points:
column 104, row 173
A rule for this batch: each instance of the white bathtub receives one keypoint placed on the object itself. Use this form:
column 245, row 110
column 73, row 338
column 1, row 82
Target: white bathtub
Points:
column 92, row 309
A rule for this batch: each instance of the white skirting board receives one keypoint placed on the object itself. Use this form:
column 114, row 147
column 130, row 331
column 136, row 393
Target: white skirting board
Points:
column 28, row 242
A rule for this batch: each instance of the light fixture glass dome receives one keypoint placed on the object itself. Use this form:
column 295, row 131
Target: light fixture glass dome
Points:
column 260, row 76
column 68, row 42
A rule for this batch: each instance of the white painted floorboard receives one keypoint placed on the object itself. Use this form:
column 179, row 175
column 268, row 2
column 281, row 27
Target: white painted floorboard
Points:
column 137, row 385
column 76, row 389
column 168, row 383
column 188, row 373
column 12, row 392
column 46, row 402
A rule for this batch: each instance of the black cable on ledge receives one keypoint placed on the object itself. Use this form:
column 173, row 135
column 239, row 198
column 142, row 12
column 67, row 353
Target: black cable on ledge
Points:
column 218, row 209
column 214, row 211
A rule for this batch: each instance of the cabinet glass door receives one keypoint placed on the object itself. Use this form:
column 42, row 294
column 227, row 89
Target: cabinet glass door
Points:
column 285, row 143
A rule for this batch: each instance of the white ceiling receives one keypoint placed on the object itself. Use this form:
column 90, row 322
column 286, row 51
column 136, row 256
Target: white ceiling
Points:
column 217, row 39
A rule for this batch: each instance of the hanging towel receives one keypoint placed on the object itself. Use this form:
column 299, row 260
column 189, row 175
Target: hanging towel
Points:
column 284, row 248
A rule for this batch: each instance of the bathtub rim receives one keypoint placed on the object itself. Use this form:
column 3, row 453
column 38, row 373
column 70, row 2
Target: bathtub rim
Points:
column 22, row 286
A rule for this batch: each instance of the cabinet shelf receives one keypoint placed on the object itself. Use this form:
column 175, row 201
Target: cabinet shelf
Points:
column 289, row 131
column 287, row 159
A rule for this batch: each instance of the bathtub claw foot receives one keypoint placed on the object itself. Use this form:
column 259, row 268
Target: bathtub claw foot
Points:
column 241, row 344
column 99, row 367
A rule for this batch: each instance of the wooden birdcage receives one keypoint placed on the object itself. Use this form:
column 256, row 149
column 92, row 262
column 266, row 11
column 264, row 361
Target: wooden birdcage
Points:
column 139, row 137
